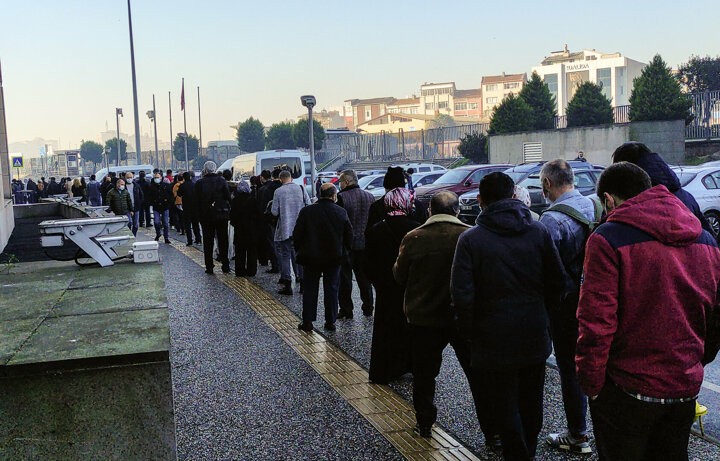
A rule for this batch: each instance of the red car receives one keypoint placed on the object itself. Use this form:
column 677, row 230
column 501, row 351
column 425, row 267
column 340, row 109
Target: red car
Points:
column 459, row 180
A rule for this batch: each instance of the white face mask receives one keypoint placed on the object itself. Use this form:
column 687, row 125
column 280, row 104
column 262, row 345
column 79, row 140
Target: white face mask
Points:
column 157, row 180
column 129, row 180
column 121, row 187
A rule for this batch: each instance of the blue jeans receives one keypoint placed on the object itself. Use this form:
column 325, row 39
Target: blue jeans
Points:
column 286, row 257
column 311, row 287
column 133, row 222
column 162, row 220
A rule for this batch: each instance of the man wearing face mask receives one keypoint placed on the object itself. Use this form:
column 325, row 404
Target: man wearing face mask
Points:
column 137, row 197
column 647, row 318
column 160, row 197
column 120, row 203
column 569, row 220
column 322, row 238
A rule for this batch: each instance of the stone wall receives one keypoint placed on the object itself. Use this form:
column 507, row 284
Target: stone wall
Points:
column 597, row 142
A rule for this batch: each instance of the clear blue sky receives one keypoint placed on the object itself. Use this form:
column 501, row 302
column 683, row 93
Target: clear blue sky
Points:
column 66, row 64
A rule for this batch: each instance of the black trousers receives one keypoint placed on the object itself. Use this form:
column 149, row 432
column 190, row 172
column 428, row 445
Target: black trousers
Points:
column 191, row 225
column 427, row 346
column 210, row 230
column 356, row 265
column 266, row 245
column 145, row 219
column 629, row 429
column 517, row 404
column 245, row 257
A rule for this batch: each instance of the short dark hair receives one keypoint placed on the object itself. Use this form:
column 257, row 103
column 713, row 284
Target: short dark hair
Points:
column 142, row 173
column 227, row 174
column 495, row 187
column 266, row 174
column 624, row 180
column 445, row 202
column 559, row 172
column 276, row 173
column 92, row 177
column 411, row 170
column 168, row 172
column 186, row 176
column 156, row 170
column 630, row 152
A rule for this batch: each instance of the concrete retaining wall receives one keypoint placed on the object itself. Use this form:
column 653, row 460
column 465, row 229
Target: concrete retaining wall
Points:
column 597, row 142
column 7, row 221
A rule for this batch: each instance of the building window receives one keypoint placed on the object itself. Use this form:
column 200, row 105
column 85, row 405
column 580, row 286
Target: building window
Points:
column 491, row 87
column 511, row 85
column 473, row 106
column 443, row 105
column 429, row 106
column 605, row 81
column 491, row 100
column 368, row 114
column 551, row 80
column 460, row 106
column 414, row 110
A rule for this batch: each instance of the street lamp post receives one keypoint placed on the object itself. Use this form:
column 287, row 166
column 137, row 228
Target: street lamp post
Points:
column 151, row 114
column 309, row 102
column 118, row 114
column 134, row 86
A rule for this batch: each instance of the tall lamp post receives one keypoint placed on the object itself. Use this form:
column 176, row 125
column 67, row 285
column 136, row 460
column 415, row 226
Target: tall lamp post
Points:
column 134, row 86
column 118, row 114
column 309, row 102
column 151, row 115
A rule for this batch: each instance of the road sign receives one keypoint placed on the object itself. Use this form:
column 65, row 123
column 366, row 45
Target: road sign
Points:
column 17, row 162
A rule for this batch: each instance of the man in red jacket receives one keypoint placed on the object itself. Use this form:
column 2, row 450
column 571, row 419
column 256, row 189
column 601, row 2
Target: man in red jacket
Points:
column 650, row 288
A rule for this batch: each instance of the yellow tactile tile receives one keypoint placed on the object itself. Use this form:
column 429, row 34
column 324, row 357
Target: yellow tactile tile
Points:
column 391, row 415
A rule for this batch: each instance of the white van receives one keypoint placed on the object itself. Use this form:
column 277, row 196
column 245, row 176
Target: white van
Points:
column 421, row 167
column 135, row 169
column 246, row 165
column 226, row 165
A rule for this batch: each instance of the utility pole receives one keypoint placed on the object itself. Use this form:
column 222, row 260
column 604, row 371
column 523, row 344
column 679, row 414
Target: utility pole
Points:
column 187, row 164
column 118, row 114
column 309, row 102
column 199, row 125
column 172, row 141
column 153, row 116
column 134, row 84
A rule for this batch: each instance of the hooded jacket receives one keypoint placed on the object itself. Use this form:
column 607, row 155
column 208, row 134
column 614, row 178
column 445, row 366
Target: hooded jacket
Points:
column 505, row 274
column 661, row 174
column 651, row 284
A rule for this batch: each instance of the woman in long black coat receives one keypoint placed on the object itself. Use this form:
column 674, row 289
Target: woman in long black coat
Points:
column 244, row 216
column 390, row 353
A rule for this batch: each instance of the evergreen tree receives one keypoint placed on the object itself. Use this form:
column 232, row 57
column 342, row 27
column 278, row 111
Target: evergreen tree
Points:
column 657, row 95
column 589, row 106
column 111, row 149
column 300, row 134
column 279, row 136
column 513, row 114
column 474, row 147
column 251, row 135
column 541, row 101
column 700, row 74
column 179, row 147
column 91, row 151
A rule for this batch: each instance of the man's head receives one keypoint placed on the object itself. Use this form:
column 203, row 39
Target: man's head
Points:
column 556, row 177
column 52, row 178
column 186, row 176
column 410, row 170
column 265, row 176
column 620, row 182
column 112, row 174
column 581, row 154
column 276, row 173
column 156, row 170
column 92, row 177
column 445, row 202
column 128, row 177
column 168, row 172
column 348, row 178
column 630, row 152
column 328, row 191
column 394, row 178
column 120, row 184
column 208, row 168
column 495, row 187
column 285, row 176
column 142, row 174
column 157, row 178
column 227, row 174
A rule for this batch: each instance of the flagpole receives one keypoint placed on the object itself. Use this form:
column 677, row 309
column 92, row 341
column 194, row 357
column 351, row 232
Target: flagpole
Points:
column 134, row 86
column 172, row 141
column 199, row 125
column 187, row 164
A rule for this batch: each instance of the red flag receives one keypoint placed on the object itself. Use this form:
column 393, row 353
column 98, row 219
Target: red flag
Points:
column 182, row 96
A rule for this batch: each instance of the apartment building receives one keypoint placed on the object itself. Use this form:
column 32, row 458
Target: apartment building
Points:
column 437, row 98
column 367, row 109
column 468, row 103
column 405, row 106
column 495, row 88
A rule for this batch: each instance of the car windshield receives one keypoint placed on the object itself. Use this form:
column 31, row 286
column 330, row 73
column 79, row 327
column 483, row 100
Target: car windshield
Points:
column 452, row 177
column 515, row 175
column 531, row 182
column 685, row 177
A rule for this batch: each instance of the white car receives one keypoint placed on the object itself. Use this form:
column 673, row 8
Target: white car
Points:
column 703, row 183
column 373, row 184
column 423, row 179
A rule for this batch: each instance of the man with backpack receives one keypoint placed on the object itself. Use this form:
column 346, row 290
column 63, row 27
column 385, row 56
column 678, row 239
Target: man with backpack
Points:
column 212, row 201
column 570, row 219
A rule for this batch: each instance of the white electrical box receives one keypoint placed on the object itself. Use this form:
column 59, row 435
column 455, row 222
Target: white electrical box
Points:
column 145, row 252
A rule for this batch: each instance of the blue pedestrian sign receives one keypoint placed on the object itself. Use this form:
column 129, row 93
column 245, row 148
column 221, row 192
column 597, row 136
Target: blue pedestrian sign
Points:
column 17, row 162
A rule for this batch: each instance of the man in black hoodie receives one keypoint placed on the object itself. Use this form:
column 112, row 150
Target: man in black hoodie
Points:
column 660, row 174
column 512, row 261
column 212, row 199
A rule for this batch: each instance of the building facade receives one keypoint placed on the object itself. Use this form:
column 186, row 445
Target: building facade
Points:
column 563, row 71
column 468, row 103
column 437, row 98
column 368, row 109
column 495, row 88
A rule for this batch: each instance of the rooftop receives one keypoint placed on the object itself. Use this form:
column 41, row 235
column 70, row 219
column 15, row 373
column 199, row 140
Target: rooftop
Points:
column 502, row 78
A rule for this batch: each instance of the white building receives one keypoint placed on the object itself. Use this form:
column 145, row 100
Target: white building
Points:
column 563, row 71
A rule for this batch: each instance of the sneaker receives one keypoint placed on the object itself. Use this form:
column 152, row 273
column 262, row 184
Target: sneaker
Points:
column 423, row 431
column 167, row 241
column 330, row 326
column 569, row 443
column 286, row 290
column 157, row 238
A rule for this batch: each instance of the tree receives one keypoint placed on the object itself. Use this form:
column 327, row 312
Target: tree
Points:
column 179, row 147
column 700, row 74
column 589, row 106
column 91, row 151
column 473, row 147
column 251, row 135
column 657, row 95
column 513, row 114
column 440, row 121
column 198, row 162
column 280, row 136
column 541, row 101
column 111, row 148
column 300, row 134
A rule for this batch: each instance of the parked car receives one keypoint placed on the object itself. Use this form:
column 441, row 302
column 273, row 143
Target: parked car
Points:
column 422, row 167
column 424, row 179
column 458, row 180
column 522, row 171
column 373, row 184
column 703, row 183
column 363, row 173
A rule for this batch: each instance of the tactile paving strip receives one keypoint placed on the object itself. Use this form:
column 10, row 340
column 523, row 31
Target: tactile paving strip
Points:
column 389, row 413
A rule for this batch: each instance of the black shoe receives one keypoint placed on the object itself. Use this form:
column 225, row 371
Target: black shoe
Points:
column 157, row 238
column 329, row 326
column 283, row 281
column 300, row 290
column 345, row 314
column 272, row 271
column 423, row 431
column 167, row 240
column 225, row 268
column 367, row 312
column 209, row 271
column 305, row 327
column 189, row 244
column 198, row 242
column 494, row 443
column 286, row 290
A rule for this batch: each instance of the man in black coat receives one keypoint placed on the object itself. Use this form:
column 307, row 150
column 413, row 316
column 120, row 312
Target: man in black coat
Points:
column 266, row 243
column 54, row 188
column 506, row 274
column 144, row 219
column 191, row 223
column 395, row 177
column 212, row 198
column 160, row 197
column 322, row 238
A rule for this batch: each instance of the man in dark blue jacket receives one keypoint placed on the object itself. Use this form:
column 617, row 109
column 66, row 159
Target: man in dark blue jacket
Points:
column 505, row 275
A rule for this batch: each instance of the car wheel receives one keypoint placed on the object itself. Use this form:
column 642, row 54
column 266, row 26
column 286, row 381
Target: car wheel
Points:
column 713, row 218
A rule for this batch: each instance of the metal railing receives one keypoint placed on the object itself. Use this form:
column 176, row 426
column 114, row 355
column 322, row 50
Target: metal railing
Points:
column 621, row 114
column 705, row 125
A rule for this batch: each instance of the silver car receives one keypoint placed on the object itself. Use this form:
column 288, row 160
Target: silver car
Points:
column 703, row 183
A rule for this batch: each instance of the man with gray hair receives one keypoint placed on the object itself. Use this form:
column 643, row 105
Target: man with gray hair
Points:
column 212, row 199
column 356, row 203
column 287, row 202
column 569, row 220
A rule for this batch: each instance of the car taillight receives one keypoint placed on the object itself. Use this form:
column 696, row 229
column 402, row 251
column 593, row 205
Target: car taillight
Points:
column 334, row 180
column 305, row 181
